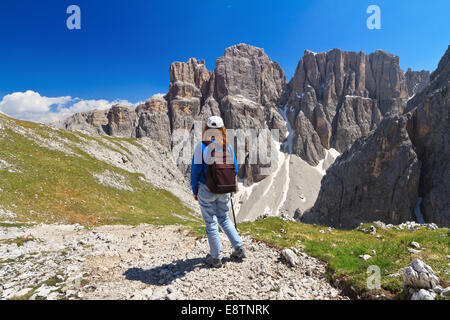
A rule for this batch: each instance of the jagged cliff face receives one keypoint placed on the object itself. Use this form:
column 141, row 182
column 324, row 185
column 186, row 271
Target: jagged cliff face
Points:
column 244, row 89
column 188, row 85
column 247, row 87
column 377, row 179
column 416, row 81
column 401, row 165
column 245, row 78
column 343, row 96
column 334, row 98
column 146, row 120
column 153, row 121
column 429, row 129
column 121, row 122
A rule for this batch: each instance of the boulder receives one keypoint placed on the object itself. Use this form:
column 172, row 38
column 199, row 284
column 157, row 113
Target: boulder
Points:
column 290, row 257
column 415, row 245
column 423, row 294
column 419, row 275
column 446, row 292
column 159, row 294
column 298, row 214
column 90, row 121
column 365, row 257
column 147, row 292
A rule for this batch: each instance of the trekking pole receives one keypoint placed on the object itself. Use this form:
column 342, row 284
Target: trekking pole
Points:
column 232, row 207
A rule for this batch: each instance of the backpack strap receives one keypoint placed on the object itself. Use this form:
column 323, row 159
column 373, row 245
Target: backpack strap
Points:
column 229, row 148
column 206, row 144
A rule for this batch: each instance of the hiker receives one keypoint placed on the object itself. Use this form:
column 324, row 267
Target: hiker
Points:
column 212, row 193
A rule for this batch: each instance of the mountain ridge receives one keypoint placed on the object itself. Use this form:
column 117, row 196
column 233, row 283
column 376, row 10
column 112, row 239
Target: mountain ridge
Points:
column 191, row 80
column 334, row 98
column 406, row 156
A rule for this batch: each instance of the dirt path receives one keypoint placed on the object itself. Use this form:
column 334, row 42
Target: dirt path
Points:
column 146, row 262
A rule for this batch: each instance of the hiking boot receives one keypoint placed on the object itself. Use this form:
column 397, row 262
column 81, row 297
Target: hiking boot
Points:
column 239, row 253
column 213, row 262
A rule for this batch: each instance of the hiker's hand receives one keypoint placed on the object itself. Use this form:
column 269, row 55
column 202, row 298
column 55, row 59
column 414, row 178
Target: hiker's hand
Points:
column 195, row 197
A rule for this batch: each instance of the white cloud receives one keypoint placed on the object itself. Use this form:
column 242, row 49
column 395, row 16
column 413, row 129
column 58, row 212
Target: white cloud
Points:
column 30, row 105
column 29, row 102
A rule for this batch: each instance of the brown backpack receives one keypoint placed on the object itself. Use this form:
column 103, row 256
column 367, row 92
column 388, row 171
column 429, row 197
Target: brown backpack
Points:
column 221, row 175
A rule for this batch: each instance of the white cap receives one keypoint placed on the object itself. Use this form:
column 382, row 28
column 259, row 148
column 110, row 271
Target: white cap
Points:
column 214, row 122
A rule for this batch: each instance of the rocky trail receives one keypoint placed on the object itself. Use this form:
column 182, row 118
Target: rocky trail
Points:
column 146, row 262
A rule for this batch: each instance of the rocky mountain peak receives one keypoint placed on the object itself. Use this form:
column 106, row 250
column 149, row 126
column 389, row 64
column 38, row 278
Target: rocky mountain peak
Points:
column 188, row 79
column 398, row 172
column 381, row 164
column 344, row 95
column 416, row 81
column 244, row 50
column 157, row 102
column 442, row 71
column 246, row 71
column 334, row 98
column 438, row 80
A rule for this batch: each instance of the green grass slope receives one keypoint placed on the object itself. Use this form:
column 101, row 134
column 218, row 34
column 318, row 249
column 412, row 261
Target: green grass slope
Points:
column 341, row 250
column 49, row 185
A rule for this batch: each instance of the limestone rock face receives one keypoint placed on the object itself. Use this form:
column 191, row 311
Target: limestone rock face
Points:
column 430, row 132
column 188, row 85
column 357, row 117
column 247, row 87
column 307, row 141
column 153, row 120
column 91, row 122
column 246, row 71
column 402, row 163
column 117, row 121
column 377, row 179
column 344, row 95
column 121, row 122
column 243, row 89
column 416, row 81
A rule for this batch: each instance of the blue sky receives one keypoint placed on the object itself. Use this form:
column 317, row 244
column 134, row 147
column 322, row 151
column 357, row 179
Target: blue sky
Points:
column 124, row 48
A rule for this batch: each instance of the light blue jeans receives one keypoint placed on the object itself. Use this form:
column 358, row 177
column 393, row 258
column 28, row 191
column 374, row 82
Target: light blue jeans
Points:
column 215, row 208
